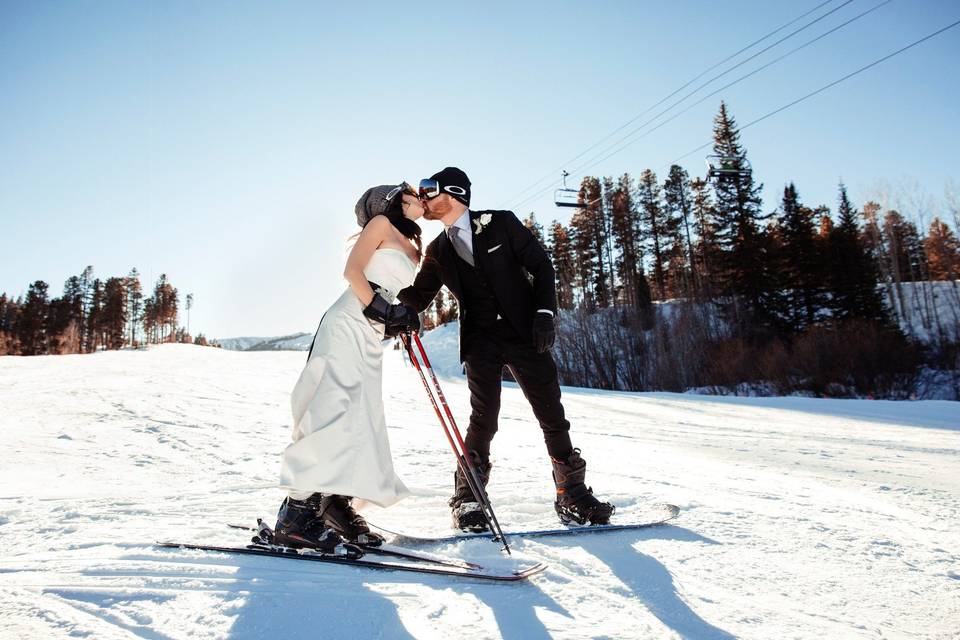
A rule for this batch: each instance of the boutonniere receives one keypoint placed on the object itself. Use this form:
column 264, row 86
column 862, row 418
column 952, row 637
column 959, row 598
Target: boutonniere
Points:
column 482, row 222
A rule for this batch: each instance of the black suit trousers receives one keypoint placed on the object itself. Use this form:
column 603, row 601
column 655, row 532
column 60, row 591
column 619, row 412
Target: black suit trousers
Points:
column 488, row 350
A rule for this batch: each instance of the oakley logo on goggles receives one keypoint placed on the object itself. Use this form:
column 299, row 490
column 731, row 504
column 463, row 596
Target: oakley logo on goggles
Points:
column 402, row 187
column 430, row 189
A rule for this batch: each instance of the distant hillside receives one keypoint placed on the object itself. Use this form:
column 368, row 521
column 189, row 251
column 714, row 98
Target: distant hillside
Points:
column 294, row 342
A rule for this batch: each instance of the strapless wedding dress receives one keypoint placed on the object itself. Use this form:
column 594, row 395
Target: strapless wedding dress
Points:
column 340, row 443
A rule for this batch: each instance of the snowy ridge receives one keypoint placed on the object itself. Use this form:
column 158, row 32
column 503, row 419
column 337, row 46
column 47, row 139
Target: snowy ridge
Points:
column 293, row 342
column 801, row 518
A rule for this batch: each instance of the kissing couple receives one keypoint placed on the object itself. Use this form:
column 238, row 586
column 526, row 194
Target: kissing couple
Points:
column 505, row 286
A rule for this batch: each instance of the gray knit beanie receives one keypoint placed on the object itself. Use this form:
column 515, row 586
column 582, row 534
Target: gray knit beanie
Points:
column 373, row 202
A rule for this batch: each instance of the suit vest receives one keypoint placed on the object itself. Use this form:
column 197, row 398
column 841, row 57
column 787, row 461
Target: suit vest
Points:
column 480, row 305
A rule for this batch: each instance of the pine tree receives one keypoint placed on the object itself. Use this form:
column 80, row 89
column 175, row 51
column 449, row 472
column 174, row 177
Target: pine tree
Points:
column 163, row 309
column 189, row 300
column 610, row 252
column 441, row 302
column 535, row 227
column 744, row 274
column 32, row 322
column 134, row 304
column 905, row 249
column 86, row 287
column 9, row 311
column 113, row 319
column 150, row 321
column 589, row 246
column 801, row 274
column 95, row 336
column 943, row 251
column 679, row 200
column 450, row 310
column 853, row 278
column 602, row 288
column 824, row 223
column 60, row 329
column 73, row 308
column 656, row 224
column 625, row 233
column 564, row 264
column 706, row 251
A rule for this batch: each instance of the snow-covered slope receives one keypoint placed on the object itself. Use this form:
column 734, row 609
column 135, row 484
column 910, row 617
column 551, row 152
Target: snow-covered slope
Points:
column 802, row 518
column 926, row 311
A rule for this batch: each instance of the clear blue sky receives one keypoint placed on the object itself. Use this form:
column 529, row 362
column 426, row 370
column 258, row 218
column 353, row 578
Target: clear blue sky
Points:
column 225, row 143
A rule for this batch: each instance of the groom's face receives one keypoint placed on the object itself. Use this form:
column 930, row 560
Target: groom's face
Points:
column 436, row 208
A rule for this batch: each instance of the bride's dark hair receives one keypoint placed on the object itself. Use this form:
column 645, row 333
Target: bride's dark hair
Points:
column 407, row 227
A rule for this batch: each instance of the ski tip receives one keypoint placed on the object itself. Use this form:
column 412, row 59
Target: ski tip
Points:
column 540, row 567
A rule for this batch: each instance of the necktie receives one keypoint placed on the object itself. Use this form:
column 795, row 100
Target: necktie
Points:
column 459, row 245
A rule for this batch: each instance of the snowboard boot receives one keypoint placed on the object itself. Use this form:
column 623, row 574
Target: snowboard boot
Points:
column 300, row 527
column 466, row 511
column 575, row 500
column 338, row 514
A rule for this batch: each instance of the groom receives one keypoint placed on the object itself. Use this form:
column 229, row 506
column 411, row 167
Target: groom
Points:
column 504, row 283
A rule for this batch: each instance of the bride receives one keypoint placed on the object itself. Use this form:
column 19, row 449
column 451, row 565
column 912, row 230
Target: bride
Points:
column 340, row 449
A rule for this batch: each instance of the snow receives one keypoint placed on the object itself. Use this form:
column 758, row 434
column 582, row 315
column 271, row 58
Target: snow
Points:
column 443, row 347
column 801, row 518
column 926, row 311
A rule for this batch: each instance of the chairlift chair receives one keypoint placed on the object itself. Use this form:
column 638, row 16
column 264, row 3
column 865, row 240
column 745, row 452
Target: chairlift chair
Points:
column 720, row 166
column 567, row 197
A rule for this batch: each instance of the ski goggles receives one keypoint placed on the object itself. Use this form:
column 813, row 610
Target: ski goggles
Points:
column 429, row 189
column 403, row 187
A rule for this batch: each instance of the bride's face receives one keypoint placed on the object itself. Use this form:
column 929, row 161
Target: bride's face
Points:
column 412, row 209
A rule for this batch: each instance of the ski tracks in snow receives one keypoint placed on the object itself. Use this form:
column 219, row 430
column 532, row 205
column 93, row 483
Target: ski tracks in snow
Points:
column 801, row 518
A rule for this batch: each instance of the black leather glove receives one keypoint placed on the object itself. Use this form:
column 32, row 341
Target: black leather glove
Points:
column 544, row 333
column 397, row 318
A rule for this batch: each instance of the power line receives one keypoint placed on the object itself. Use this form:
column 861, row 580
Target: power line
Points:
column 829, row 85
column 667, row 97
column 597, row 160
column 820, row 90
column 594, row 159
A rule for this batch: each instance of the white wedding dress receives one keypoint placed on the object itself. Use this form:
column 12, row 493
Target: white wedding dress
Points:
column 340, row 443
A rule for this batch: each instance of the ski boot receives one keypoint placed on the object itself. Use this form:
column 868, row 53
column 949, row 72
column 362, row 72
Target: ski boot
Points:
column 466, row 511
column 575, row 500
column 338, row 514
column 299, row 526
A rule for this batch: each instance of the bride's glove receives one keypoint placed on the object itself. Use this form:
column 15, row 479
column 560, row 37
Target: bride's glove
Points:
column 544, row 333
column 397, row 318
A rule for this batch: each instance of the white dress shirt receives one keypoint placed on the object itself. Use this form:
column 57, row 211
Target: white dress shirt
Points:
column 462, row 228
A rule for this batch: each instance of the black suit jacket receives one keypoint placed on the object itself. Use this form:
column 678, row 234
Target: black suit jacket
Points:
column 505, row 252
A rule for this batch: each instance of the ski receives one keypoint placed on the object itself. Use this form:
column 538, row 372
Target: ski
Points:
column 383, row 565
column 659, row 514
column 265, row 537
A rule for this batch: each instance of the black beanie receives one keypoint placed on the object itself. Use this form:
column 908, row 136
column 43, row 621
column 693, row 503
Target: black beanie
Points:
column 454, row 182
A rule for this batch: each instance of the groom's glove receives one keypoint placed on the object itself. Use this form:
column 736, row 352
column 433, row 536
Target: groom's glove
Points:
column 397, row 318
column 544, row 333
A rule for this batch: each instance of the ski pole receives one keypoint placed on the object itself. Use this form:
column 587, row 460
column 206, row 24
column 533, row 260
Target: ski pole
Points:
column 469, row 473
column 464, row 461
column 480, row 493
